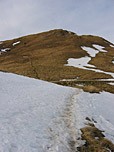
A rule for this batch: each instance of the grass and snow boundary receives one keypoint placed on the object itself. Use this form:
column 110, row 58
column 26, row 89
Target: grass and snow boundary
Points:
column 98, row 108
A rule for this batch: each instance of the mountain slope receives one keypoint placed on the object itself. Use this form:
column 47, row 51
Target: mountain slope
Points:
column 46, row 55
column 49, row 51
column 29, row 111
column 37, row 115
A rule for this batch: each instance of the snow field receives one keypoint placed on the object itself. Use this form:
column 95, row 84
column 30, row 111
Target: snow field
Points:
column 28, row 107
column 38, row 116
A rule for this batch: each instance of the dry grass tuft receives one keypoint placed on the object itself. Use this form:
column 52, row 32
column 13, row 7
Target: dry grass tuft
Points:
column 91, row 89
column 95, row 141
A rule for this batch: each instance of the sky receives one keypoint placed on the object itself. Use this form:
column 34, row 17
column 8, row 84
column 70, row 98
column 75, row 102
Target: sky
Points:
column 23, row 17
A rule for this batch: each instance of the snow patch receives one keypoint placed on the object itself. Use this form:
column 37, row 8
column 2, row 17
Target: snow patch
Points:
column 92, row 52
column 69, row 79
column 5, row 50
column 111, row 83
column 80, row 62
column 111, row 45
column 83, row 63
column 100, row 48
column 105, row 79
column 16, row 43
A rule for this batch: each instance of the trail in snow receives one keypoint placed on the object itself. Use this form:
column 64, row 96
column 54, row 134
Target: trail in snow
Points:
column 63, row 132
column 38, row 116
column 31, row 115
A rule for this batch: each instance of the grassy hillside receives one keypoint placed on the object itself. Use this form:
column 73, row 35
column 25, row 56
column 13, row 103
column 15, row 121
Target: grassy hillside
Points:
column 44, row 56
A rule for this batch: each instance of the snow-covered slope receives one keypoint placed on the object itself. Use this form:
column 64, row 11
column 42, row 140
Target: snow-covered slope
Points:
column 99, row 109
column 38, row 116
column 28, row 109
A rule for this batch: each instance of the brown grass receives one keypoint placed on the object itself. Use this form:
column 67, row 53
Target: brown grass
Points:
column 91, row 89
column 92, row 86
column 43, row 56
column 95, row 140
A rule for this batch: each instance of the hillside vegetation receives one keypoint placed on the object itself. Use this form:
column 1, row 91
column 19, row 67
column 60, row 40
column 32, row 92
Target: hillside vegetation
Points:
column 44, row 56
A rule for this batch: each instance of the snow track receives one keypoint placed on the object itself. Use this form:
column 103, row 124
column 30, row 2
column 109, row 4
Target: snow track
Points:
column 33, row 115
column 38, row 116
column 63, row 132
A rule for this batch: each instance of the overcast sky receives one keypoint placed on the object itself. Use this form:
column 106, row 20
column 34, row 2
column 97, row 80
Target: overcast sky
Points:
column 23, row 17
